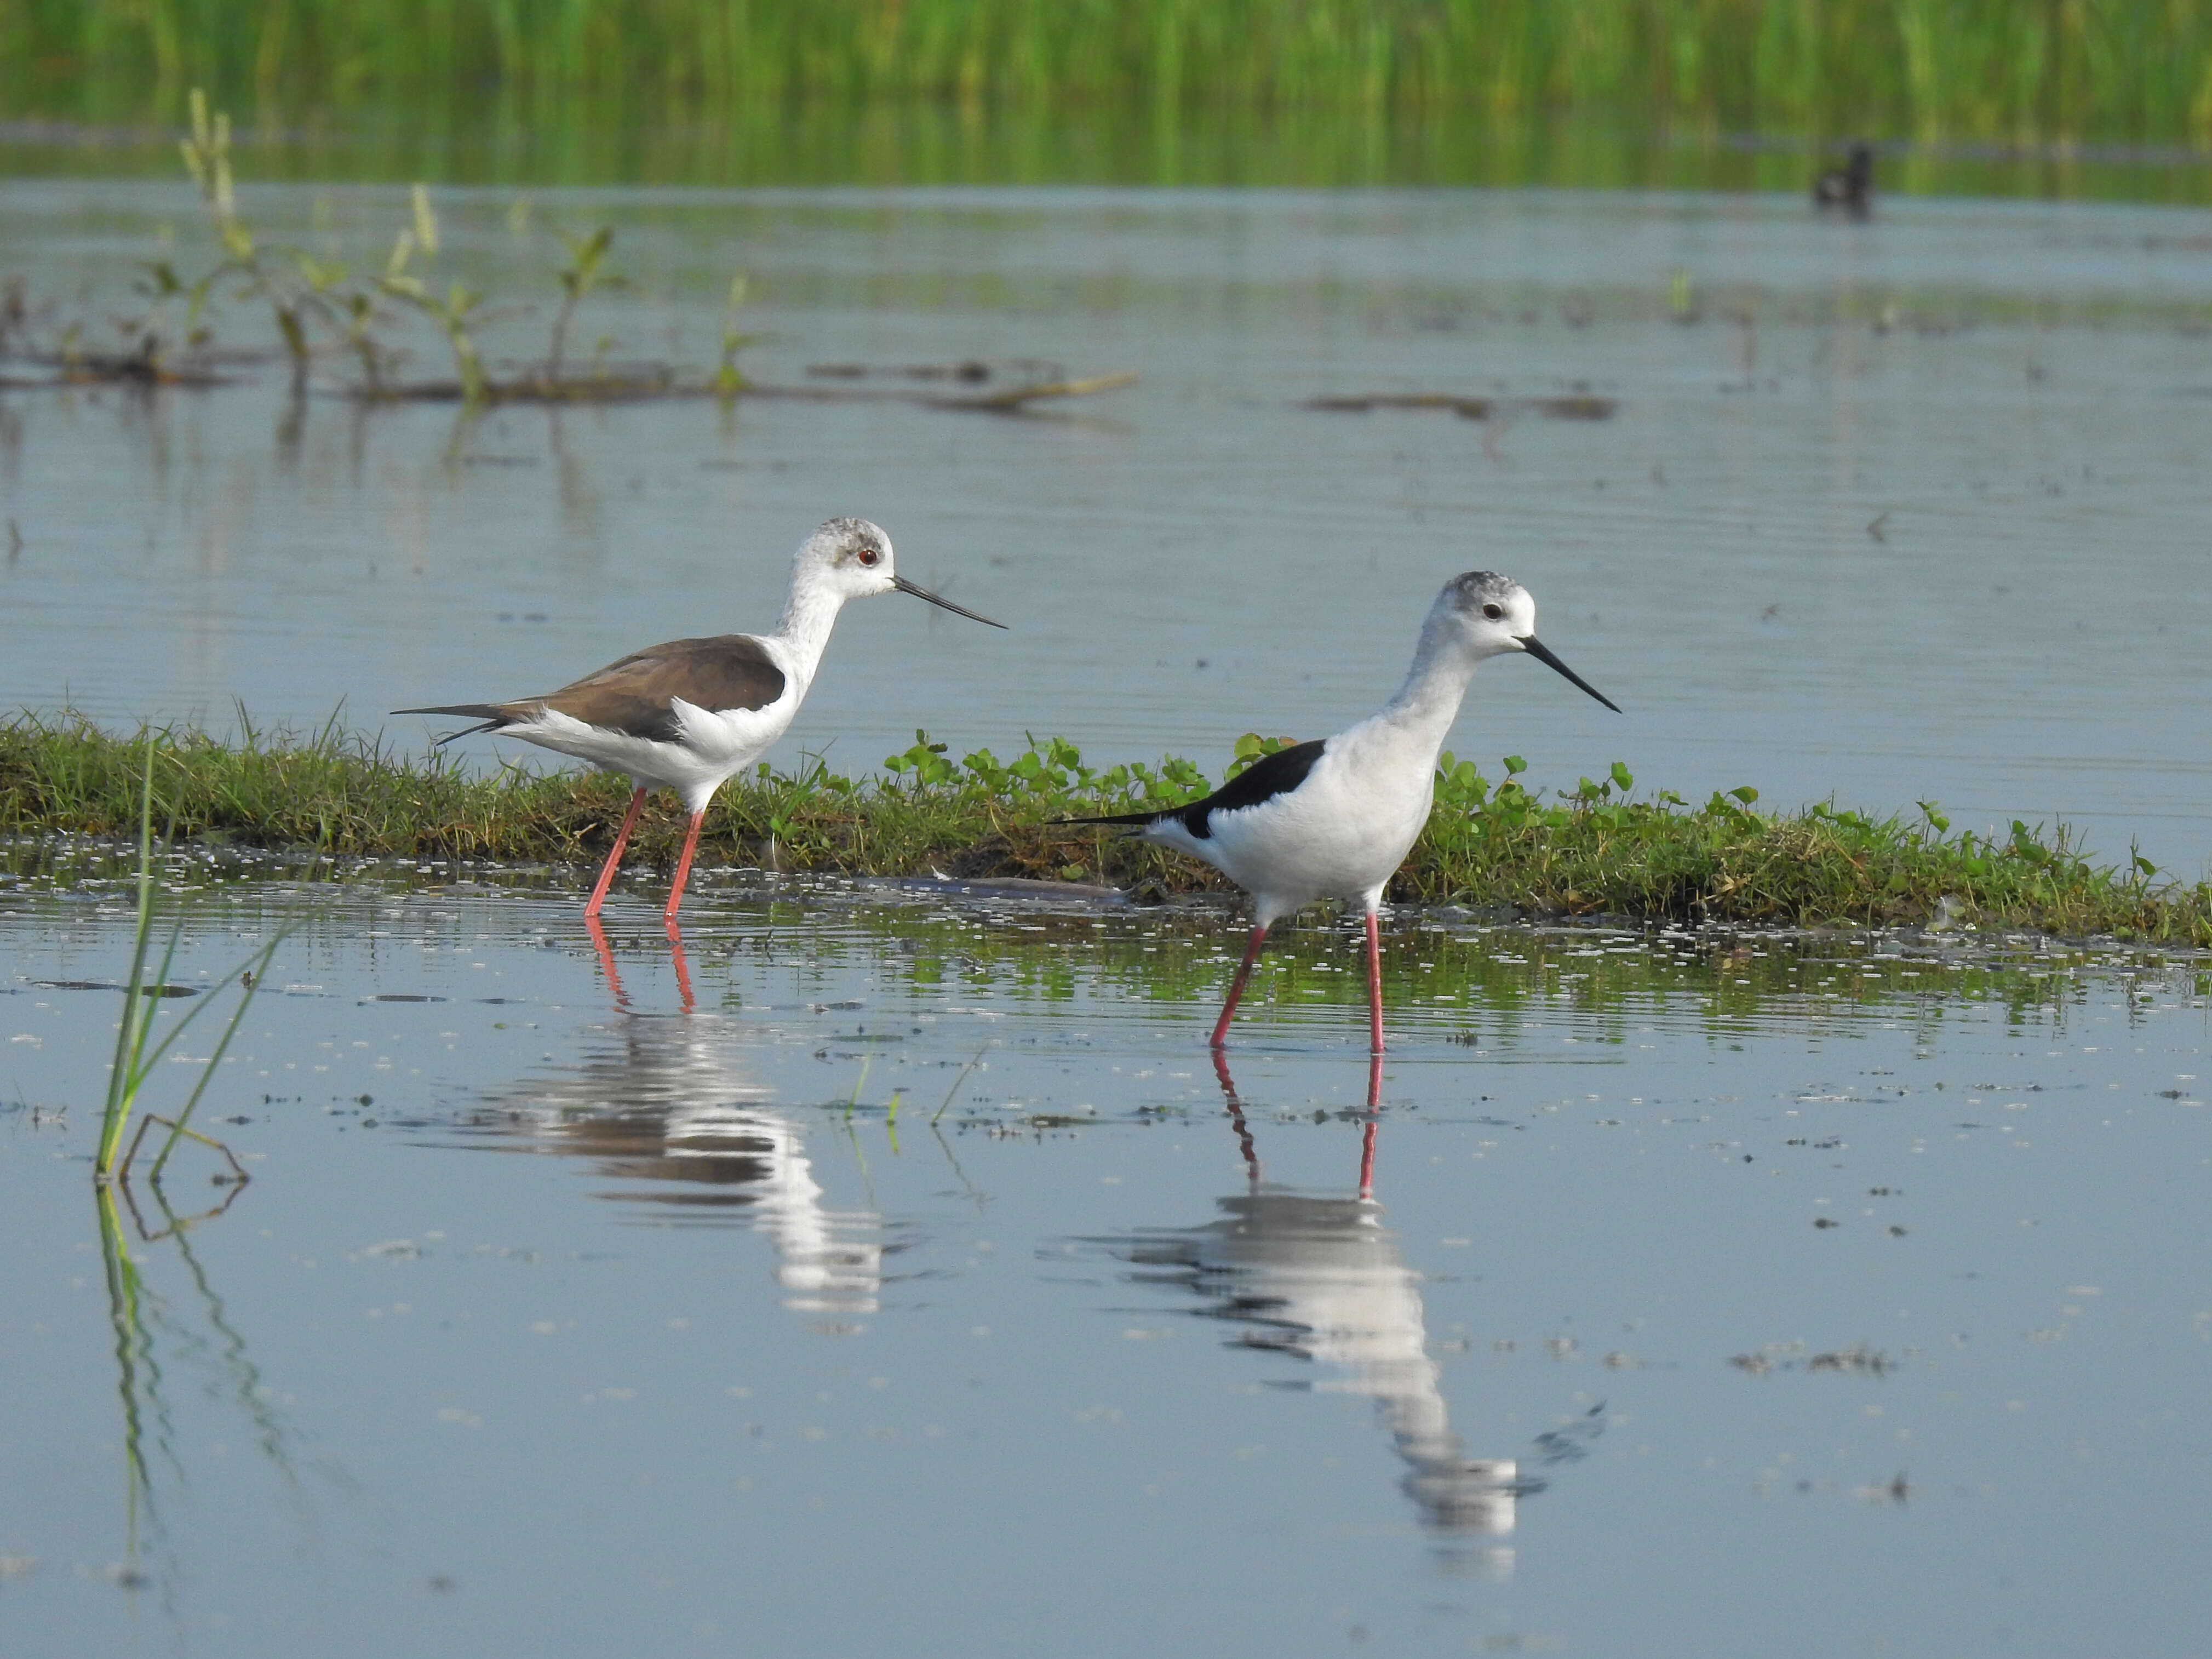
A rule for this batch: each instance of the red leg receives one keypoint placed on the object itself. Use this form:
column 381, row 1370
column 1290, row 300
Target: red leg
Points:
column 1375, row 979
column 683, row 871
column 614, row 856
column 1237, row 985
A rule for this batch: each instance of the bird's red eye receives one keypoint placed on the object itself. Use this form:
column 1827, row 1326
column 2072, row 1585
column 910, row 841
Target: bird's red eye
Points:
column 869, row 556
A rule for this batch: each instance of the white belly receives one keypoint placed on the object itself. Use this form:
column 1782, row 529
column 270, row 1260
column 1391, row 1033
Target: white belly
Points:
column 713, row 746
column 1341, row 834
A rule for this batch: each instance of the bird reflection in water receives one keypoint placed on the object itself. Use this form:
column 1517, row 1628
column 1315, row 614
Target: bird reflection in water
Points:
column 664, row 1105
column 1320, row 1278
column 605, row 953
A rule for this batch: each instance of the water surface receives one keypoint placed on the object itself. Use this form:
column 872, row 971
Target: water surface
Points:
column 1681, row 1294
column 1911, row 510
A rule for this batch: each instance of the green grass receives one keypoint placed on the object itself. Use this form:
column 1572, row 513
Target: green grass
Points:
column 137, row 1053
column 2002, row 70
column 1601, row 850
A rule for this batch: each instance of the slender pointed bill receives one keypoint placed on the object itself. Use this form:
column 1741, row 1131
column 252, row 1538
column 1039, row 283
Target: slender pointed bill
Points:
column 1543, row 653
column 921, row 592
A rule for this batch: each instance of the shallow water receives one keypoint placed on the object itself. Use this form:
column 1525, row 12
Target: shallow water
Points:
column 1907, row 511
column 1720, row 1293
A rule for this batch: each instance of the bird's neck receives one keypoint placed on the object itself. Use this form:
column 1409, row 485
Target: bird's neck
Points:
column 1428, row 702
column 808, row 614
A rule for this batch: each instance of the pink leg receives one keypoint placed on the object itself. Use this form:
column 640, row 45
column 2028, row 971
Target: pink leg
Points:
column 1237, row 985
column 683, row 871
column 1375, row 979
column 614, row 856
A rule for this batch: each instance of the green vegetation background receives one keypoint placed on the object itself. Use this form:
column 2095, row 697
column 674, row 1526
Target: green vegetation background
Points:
column 2003, row 70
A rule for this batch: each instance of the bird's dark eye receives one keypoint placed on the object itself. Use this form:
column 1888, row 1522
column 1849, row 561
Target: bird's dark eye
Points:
column 869, row 556
column 1493, row 611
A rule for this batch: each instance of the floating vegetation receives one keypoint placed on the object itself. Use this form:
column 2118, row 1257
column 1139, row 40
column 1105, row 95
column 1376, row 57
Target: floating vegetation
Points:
column 1577, row 406
column 1599, row 849
column 324, row 314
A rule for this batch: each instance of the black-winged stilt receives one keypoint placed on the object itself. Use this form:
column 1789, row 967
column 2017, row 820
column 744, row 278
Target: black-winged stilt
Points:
column 1333, row 818
column 688, row 714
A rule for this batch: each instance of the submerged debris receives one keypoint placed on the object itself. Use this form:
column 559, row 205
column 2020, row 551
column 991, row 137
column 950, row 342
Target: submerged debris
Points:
column 1575, row 406
column 972, row 371
column 657, row 382
column 1861, row 1360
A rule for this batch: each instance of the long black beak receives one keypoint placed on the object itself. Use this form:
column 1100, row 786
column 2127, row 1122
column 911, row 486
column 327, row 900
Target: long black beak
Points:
column 1543, row 653
column 921, row 592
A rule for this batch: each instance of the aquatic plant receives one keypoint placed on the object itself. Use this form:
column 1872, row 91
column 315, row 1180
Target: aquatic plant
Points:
column 135, row 1052
column 1601, row 848
column 318, row 308
column 578, row 278
column 729, row 379
column 452, row 312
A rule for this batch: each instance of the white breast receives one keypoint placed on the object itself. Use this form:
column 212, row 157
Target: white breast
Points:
column 1341, row 834
column 712, row 746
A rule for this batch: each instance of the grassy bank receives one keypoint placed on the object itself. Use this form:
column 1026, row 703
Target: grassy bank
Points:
column 1602, row 849
column 1999, row 70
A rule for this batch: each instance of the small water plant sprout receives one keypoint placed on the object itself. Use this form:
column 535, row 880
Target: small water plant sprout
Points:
column 136, row 1049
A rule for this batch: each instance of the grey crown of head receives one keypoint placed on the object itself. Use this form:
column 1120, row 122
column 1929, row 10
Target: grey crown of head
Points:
column 1478, row 587
column 852, row 534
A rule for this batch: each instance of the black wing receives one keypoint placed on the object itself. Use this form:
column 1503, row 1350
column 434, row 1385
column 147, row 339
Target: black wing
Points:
column 1265, row 778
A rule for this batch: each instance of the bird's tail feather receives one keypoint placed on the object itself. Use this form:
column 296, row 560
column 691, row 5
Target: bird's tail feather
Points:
column 1135, row 820
column 492, row 717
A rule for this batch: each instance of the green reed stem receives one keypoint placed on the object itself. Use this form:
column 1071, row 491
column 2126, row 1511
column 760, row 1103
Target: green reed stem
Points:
column 123, row 1075
column 134, row 1061
column 249, row 980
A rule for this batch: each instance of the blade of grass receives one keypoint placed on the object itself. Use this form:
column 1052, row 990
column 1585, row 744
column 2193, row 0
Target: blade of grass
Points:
column 250, row 981
column 130, row 1034
column 957, row 1081
column 254, row 964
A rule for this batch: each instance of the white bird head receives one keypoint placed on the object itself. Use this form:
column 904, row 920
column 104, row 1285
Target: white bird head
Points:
column 853, row 559
column 1492, row 615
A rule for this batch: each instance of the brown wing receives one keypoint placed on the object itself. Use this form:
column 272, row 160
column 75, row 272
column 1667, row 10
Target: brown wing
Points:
column 636, row 693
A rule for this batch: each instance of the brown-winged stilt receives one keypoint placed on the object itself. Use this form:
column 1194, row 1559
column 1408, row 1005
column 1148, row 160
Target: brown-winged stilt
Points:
column 688, row 714
column 1333, row 818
